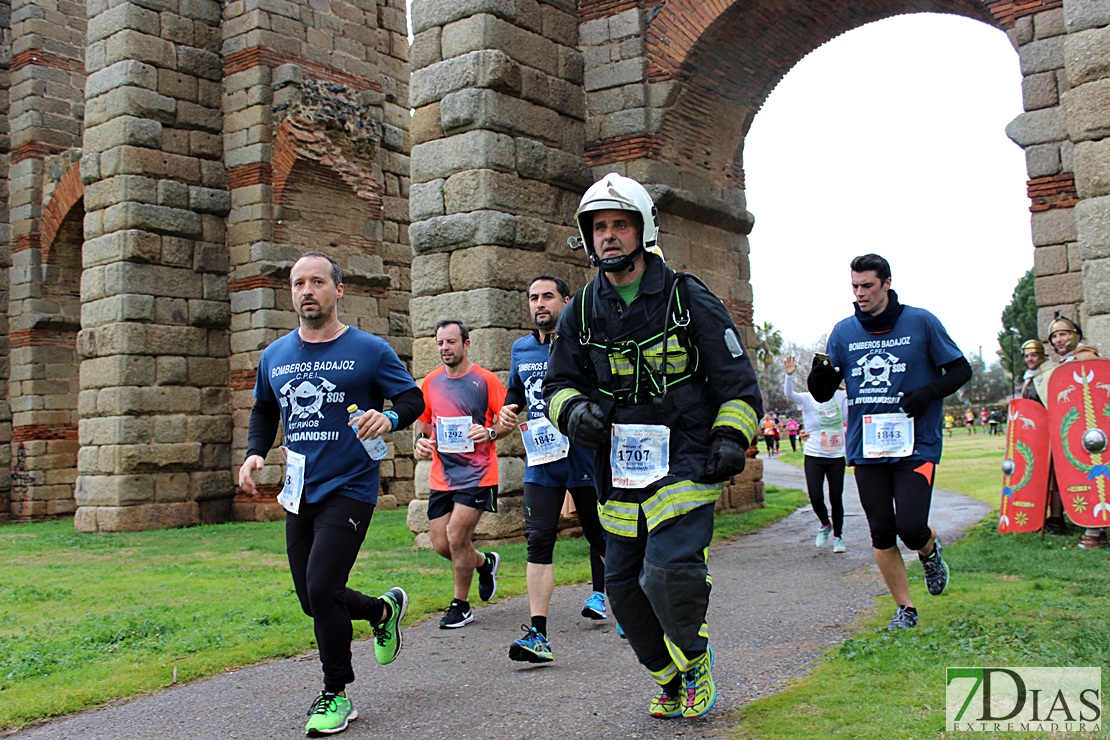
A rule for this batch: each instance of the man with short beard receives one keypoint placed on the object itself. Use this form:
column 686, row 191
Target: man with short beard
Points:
column 554, row 467
column 307, row 379
column 460, row 422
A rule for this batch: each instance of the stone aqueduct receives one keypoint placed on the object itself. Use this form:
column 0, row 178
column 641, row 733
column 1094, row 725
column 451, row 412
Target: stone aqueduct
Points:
column 165, row 161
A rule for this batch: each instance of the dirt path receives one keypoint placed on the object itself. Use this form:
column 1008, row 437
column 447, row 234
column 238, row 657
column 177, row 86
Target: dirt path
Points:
column 777, row 604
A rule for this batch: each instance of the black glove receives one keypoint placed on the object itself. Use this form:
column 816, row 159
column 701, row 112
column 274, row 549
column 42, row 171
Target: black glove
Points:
column 956, row 373
column 585, row 424
column 915, row 402
column 823, row 380
column 726, row 459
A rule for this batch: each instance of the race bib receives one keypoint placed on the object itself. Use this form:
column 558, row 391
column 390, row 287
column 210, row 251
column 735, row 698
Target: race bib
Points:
column 290, row 496
column 451, row 434
column 543, row 443
column 887, row 435
column 640, row 454
column 832, row 442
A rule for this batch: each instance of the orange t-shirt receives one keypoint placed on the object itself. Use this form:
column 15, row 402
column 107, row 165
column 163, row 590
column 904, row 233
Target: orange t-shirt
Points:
column 479, row 394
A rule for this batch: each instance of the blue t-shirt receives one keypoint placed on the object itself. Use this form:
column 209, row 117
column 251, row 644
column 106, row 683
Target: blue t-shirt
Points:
column 877, row 367
column 314, row 383
column 527, row 368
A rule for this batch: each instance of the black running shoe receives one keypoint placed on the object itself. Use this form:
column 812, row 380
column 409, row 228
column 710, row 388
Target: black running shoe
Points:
column 904, row 618
column 936, row 570
column 456, row 616
column 487, row 576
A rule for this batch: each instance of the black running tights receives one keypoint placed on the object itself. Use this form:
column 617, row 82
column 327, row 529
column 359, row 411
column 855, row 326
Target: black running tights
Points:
column 818, row 470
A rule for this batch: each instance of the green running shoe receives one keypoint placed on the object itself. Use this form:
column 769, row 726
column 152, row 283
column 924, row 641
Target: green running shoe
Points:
column 667, row 704
column 329, row 714
column 699, row 693
column 387, row 635
column 532, row 648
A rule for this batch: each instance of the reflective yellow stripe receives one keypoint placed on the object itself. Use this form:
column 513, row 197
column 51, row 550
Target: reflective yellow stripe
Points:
column 558, row 401
column 619, row 517
column 677, row 358
column 737, row 415
column 681, row 662
column 678, row 499
column 664, row 676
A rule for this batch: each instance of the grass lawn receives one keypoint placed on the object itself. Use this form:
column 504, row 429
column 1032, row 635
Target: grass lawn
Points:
column 1014, row 600
column 85, row 619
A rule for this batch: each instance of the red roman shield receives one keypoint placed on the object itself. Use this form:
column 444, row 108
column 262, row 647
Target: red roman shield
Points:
column 1079, row 416
column 1025, row 468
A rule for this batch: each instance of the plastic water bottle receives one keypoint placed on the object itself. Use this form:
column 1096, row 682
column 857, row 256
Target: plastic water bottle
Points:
column 375, row 448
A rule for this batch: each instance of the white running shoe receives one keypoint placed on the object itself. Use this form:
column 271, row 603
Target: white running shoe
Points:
column 838, row 545
column 823, row 536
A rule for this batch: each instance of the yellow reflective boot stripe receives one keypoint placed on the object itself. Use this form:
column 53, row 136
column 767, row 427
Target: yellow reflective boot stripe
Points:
column 679, row 498
column 737, row 415
column 558, row 401
column 619, row 517
column 664, row 676
column 680, row 660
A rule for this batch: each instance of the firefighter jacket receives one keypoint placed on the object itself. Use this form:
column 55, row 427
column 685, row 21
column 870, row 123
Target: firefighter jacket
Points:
column 614, row 354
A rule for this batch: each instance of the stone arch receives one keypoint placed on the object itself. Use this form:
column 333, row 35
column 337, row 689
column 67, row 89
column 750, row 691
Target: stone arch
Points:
column 676, row 117
column 45, row 428
column 67, row 193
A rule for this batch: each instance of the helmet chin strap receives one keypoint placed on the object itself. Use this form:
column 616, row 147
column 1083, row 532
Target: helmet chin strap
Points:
column 616, row 264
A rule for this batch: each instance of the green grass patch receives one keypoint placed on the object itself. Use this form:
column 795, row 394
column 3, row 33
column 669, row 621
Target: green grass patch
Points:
column 1015, row 600
column 89, row 618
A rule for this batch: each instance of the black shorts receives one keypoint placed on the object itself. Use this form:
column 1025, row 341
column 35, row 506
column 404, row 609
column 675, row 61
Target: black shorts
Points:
column 896, row 498
column 440, row 503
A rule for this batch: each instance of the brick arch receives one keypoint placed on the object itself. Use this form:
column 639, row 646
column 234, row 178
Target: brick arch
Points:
column 681, row 25
column 297, row 140
column 68, row 193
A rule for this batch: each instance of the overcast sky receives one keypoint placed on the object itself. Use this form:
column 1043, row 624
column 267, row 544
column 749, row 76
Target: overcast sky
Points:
column 890, row 139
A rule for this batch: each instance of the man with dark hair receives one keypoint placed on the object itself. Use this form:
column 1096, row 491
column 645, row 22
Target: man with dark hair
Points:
column 554, row 466
column 307, row 379
column 899, row 364
column 649, row 369
column 462, row 402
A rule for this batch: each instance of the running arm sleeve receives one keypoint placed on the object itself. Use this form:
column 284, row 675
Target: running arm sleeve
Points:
column 515, row 395
column 263, row 427
column 408, row 407
column 956, row 373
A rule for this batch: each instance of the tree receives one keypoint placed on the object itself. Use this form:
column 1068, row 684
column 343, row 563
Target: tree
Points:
column 988, row 385
column 772, row 378
column 1019, row 324
column 768, row 345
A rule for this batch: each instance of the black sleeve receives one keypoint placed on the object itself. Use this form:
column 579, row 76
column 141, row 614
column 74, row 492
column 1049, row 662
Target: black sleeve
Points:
column 515, row 395
column 408, row 407
column 956, row 373
column 265, row 417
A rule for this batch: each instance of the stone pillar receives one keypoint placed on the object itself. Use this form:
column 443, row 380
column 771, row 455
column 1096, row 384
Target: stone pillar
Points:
column 497, row 172
column 316, row 131
column 1039, row 39
column 1086, row 117
column 155, row 422
column 46, row 102
column 5, row 263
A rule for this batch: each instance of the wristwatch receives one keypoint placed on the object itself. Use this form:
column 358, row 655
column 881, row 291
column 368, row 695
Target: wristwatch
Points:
column 492, row 433
column 393, row 418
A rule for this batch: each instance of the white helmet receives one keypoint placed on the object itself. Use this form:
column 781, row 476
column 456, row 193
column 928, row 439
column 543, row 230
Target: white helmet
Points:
column 616, row 192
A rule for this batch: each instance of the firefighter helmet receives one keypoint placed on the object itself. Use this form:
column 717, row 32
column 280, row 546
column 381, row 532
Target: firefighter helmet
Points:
column 616, row 192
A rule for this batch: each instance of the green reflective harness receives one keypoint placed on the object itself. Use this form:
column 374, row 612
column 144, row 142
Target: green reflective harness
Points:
column 645, row 363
